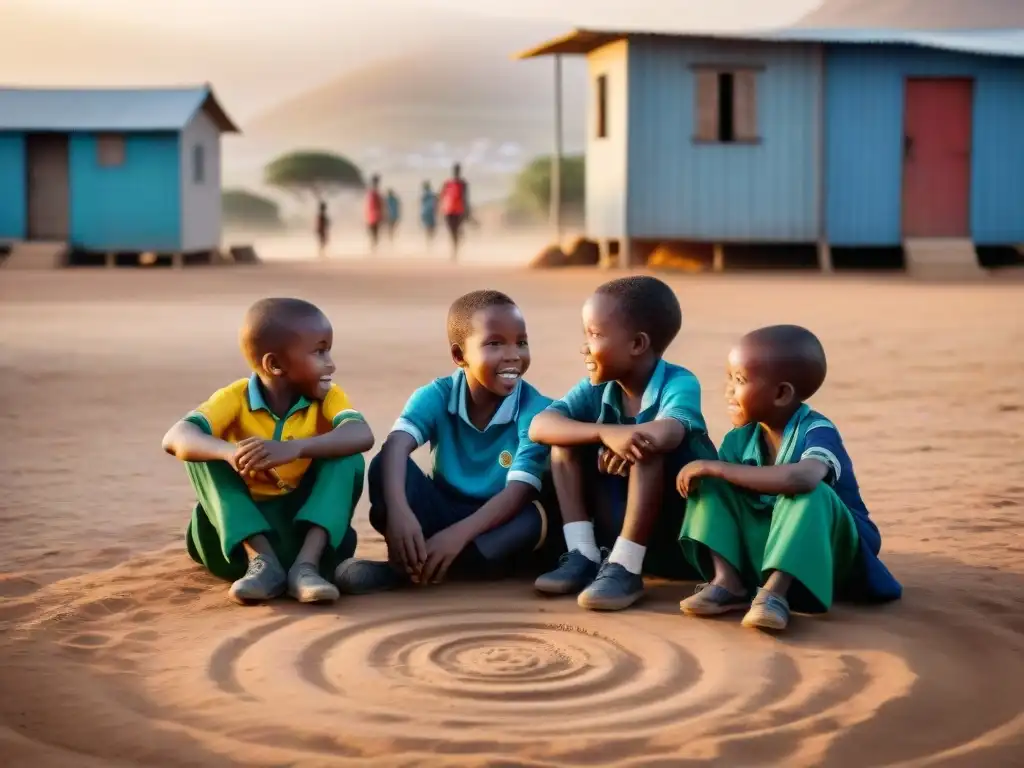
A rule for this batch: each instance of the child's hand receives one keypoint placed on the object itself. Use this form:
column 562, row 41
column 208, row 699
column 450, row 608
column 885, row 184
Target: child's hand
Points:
column 610, row 463
column 688, row 476
column 442, row 549
column 255, row 454
column 404, row 537
column 629, row 443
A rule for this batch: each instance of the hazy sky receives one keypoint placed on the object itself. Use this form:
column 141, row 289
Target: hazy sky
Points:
column 258, row 51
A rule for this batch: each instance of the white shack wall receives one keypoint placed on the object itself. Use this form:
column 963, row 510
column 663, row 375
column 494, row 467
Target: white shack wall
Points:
column 200, row 202
column 607, row 157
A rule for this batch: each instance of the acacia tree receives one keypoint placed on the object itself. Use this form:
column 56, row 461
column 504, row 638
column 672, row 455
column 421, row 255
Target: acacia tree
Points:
column 249, row 209
column 319, row 174
column 532, row 190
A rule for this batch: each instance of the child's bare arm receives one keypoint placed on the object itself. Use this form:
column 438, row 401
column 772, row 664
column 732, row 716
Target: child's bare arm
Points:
column 187, row 442
column 550, row 427
column 782, row 480
column 346, row 439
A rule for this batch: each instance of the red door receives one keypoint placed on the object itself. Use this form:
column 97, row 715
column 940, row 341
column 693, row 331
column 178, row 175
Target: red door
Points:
column 937, row 157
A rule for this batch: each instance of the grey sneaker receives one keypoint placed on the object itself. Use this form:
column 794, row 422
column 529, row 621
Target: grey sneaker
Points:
column 713, row 600
column 613, row 589
column 768, row 611
column 575, row 571
column 306, row 585
column 264, row 580
column 361, row 577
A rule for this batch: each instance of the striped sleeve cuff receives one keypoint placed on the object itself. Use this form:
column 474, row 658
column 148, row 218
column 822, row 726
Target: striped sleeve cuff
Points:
column 404, row 425
column 827, row 458
column 681, row 416
column 518, row 476
column 347, row 415
column 200, row 420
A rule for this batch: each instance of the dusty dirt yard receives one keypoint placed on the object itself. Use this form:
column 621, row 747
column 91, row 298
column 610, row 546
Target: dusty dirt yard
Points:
column 116, row 650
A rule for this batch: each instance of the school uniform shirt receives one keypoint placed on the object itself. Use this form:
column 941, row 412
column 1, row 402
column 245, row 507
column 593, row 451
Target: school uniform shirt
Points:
column 475, row 463
column 819, row 439
column 239, row 410
column 672, row 393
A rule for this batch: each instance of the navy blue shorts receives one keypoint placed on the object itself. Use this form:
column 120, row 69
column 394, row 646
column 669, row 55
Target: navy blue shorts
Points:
column 523, row 538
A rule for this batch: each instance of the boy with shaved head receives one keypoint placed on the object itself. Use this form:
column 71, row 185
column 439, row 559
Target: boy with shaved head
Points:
column 780, row 513
column 275, row 462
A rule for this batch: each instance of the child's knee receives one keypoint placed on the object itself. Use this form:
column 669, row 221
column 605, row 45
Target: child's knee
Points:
column 565, row 456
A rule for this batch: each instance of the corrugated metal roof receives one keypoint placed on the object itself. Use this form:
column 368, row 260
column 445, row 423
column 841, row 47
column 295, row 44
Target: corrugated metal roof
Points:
column 916, row 15
column 107, row 109
column 993, row 42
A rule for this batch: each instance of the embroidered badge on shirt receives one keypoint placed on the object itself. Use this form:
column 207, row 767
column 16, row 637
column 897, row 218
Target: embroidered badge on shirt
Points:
column 505, row 459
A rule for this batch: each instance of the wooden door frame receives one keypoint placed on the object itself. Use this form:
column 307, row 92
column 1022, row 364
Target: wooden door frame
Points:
column 66, row 137
column 970, row 80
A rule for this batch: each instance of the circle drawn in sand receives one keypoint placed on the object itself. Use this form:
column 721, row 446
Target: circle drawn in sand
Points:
column 470, row 681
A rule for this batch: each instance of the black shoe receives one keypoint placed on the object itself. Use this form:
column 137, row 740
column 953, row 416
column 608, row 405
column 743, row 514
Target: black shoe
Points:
column 574, row 572
column 613, row 589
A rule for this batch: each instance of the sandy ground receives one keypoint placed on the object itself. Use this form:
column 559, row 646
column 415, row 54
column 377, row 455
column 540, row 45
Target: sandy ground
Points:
column 116, row 650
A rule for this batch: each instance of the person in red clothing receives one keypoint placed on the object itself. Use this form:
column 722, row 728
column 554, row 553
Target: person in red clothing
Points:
column 455, row 206
column 374, row 212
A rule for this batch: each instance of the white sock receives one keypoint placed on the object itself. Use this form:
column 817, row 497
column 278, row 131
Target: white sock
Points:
column 580, row 536
column 628, row 554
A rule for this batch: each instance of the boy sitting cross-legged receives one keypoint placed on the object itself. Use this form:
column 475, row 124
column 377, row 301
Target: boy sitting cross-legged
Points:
column 275, row 462
column 618, row 439
column 478, row 512
column 781, row 513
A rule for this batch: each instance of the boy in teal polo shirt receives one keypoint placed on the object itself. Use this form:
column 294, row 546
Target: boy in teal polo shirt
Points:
column 618, row 439
column 479, row 510
column 275, row 462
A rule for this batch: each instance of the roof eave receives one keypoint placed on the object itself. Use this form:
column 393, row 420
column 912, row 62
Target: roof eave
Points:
column 213, row 108
column 578, row 42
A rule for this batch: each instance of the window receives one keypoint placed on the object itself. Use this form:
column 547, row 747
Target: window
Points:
column 198, row 164
column 726, row 105
column 602, row 106
column 110, row 150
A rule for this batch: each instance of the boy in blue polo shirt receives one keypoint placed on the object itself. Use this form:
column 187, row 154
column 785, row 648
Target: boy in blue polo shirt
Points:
column 479, row 509
column 618, row 439
column 781, row 514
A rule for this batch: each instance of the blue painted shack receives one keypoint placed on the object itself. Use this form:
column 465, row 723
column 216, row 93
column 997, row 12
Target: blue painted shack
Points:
column 112, row 170
column 836, row 138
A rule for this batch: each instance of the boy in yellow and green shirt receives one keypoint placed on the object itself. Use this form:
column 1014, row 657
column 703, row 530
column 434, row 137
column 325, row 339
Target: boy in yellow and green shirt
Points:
column 275, row 462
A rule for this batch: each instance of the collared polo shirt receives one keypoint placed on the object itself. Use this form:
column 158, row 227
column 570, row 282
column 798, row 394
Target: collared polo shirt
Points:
column 239, row 410
column 672, row 393
column 475, row 463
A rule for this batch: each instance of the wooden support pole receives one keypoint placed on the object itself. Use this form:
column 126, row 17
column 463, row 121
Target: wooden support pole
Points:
column 556, row 159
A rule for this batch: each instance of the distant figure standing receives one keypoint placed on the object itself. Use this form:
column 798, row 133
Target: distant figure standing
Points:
column 428, row 211
column 323, row 228
column 394, row 213
column 374, row 211
column 455, row 206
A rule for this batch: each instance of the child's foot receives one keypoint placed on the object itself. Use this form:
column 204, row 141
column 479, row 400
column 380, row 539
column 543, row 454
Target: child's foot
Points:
column 306, row 585
column 575, row 572
column 264, row 580
column 613, row 589
column 361, row 577
column 768, row 611
column 713, row 600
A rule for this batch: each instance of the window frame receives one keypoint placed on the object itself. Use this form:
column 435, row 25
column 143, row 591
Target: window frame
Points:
column 743, row 111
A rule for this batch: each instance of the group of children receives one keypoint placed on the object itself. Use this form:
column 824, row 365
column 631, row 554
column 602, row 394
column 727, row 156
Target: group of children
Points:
column 452, row 202
column 772, row 520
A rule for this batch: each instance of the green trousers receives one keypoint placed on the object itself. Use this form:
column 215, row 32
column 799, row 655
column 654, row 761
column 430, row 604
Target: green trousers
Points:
column 812, row 537
column 225, row 515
